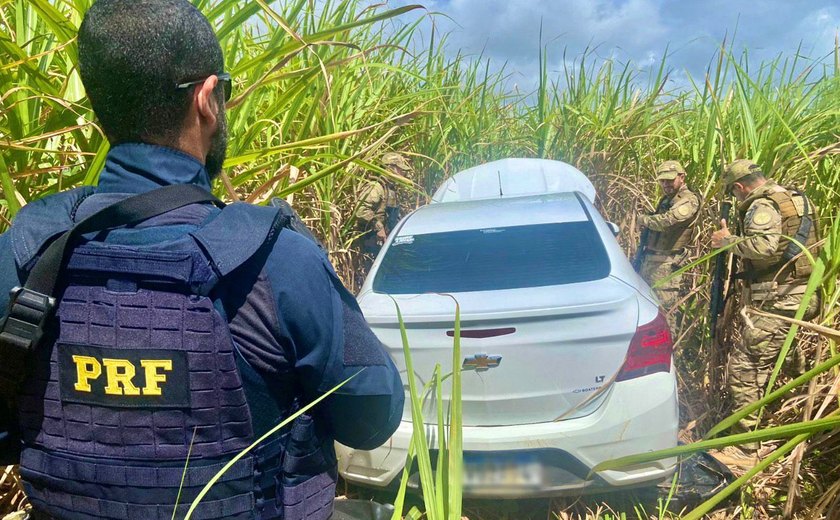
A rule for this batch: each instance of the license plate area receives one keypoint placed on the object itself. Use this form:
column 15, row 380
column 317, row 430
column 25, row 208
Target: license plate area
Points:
column 502, row 470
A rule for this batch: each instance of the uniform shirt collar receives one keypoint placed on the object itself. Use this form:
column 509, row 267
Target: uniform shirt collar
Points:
column 141, row 167
column 758, row 193
column 769, row 186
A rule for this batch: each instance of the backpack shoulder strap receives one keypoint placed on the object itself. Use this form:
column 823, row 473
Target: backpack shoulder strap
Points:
column 237, row 233
column 42, row 220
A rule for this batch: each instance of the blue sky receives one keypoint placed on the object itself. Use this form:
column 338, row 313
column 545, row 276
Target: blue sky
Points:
column 632, row 30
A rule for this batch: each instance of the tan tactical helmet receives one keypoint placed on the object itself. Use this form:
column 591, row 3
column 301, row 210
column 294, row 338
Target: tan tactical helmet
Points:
column 737, row 170
column 395, row 159
column 669, row 170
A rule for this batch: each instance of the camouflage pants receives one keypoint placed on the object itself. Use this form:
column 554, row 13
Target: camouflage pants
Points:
column 655, row 271
column 751, row 362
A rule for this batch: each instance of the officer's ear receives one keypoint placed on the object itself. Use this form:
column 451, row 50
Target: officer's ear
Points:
column 205, row 100
column 738, row 189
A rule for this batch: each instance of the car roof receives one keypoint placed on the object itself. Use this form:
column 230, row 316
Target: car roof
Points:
column 514, row 178
column 493, row 213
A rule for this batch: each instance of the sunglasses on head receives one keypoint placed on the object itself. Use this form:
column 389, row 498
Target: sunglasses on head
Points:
column 224, row 80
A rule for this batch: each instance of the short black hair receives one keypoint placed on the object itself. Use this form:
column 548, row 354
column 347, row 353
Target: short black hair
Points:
column 132, row 53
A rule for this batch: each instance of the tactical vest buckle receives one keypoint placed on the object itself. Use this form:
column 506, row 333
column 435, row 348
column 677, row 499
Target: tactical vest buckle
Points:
column 20, row 332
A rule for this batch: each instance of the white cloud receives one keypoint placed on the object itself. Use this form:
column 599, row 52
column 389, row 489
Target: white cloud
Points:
column 507, row 31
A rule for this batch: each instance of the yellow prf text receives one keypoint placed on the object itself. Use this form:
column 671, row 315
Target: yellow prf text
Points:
column 119, row 375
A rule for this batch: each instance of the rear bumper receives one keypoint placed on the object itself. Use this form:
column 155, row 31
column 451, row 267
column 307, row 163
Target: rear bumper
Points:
column 638, row 416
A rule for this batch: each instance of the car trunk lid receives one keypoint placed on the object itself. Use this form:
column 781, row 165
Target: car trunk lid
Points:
column 529, row 355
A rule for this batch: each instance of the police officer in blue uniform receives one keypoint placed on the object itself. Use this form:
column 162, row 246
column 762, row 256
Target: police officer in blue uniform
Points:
column 178, row 340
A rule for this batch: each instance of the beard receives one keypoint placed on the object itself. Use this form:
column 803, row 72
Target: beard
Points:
column 218, row 146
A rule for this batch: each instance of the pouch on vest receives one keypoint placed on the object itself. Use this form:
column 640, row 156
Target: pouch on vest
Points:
column 306, row 486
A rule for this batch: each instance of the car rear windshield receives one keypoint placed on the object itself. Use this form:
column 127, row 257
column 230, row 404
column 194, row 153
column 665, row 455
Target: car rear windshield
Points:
column 493, row 258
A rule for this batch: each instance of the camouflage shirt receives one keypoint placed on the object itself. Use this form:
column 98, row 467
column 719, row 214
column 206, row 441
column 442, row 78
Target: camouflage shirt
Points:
column 371, row 215
column 672, row 228
column 768, row 217
column 762, row 226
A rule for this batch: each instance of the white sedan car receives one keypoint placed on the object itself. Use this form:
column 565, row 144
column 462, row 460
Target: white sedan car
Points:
column 567, row 356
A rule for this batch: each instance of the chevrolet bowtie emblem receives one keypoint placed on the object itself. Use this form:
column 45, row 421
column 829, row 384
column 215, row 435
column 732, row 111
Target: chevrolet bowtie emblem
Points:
column 481, row 362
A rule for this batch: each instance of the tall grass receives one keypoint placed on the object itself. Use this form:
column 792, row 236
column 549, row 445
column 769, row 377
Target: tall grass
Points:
column 441, row 480
column 321, row 91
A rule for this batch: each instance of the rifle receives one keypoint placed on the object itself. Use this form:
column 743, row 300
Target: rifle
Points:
column 641, row 251
column 717, row 300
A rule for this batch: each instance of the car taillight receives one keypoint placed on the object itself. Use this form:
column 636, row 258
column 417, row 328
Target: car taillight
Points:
column 650, row 350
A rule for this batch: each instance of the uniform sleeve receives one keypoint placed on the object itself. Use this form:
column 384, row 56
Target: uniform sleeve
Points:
column 762, row 230
column 684, row 209
column 367, row 410
column 331, row 343
column 368, row 214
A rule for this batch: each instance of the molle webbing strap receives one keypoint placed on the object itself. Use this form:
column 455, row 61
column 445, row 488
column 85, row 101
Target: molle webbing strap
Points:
column 802, row 233
column 674, row 239
column 783, row 200
column 151, row 477
column 237, row 506
column 309, row 500
column 787, row 207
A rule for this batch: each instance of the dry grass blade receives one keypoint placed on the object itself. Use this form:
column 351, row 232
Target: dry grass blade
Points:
column 12, row 497
column 827, row 332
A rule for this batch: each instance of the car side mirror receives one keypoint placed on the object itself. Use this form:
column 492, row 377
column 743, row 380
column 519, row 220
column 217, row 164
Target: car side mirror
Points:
column 614, row 228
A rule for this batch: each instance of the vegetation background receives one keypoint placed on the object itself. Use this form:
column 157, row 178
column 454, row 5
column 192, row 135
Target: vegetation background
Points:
column 323, row 88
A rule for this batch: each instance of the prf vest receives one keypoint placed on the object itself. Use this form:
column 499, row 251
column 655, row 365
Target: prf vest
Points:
column 141, row 395
column 676, row 237
column 791, row 205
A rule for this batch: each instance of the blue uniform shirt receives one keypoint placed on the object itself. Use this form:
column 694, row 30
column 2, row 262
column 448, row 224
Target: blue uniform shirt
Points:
column 317, row 331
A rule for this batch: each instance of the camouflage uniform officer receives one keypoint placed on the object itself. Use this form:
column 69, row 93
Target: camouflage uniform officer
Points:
column 670, row 230
column 379, row 208
column 775, row 274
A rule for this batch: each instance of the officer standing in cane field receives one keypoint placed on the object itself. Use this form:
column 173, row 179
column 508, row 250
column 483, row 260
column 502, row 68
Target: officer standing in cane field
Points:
column 668, row 232
column 379, row 210
column 153, row 333
column 774, row 273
